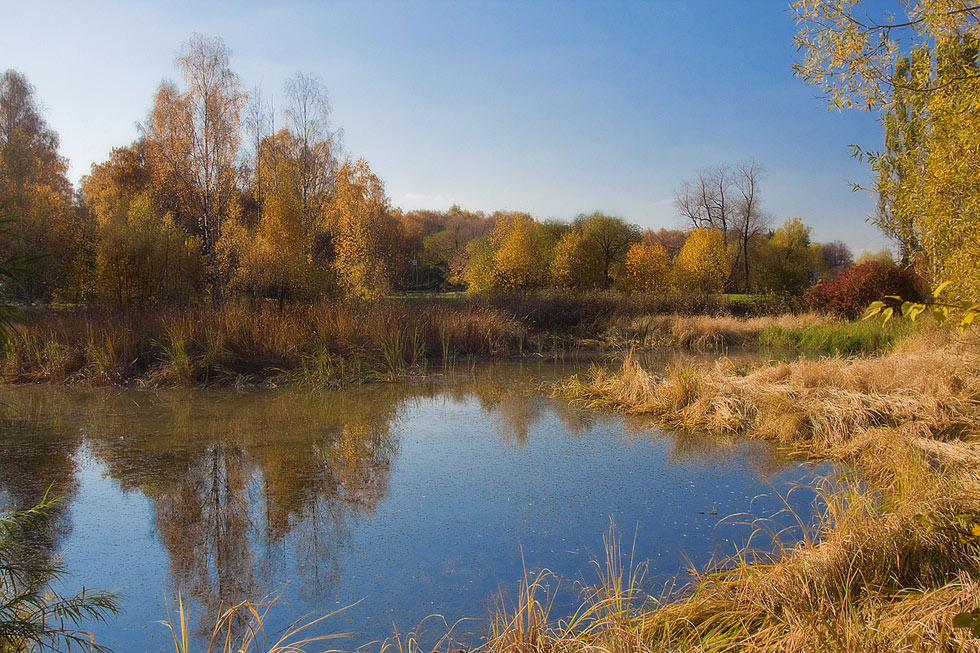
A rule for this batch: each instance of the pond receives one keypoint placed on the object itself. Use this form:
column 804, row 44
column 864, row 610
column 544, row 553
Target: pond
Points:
column 399, row 500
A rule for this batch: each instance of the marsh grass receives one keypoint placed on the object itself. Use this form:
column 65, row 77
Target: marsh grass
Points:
column 806, row 331
column 332, row 343
column 317, row 344
column 895, row 554
column 703, row 332
column 606, row 619
column 241, row 629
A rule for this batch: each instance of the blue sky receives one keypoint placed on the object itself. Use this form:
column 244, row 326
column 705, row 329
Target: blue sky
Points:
column 556, row 108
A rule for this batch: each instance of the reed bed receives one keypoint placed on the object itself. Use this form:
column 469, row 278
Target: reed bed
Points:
column 703, row 332
column 324, row 343
column 896, row 554
column 329, row 343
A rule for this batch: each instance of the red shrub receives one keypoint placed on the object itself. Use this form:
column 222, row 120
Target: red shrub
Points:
column 850, row 292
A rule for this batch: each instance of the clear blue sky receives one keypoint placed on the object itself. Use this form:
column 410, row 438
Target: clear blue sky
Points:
column 556, row 108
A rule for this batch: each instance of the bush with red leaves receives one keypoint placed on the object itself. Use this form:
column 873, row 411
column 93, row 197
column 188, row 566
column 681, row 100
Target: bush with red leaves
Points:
column 849, row 293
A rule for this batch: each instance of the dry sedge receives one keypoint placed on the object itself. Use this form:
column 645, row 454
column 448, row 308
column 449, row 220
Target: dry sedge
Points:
column 895, row 556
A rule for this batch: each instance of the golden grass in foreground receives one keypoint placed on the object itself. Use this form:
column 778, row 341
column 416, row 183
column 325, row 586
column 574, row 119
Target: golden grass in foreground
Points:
column 895, row 556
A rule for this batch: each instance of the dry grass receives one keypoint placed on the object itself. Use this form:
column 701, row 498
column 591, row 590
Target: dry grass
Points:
column 896, row 555
column 323, row 343
column 329, row 343
column 240, row 628
column 927, row 387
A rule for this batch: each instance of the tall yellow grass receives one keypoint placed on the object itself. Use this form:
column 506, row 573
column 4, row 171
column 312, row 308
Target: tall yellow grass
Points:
column 896, row 555
column 324, row 343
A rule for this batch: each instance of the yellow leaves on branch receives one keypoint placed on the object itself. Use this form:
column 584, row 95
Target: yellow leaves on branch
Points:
column 921, row 66
column 646, row 269
column 850, row 48
column 703, row 263
column 364, row 232
column 965, row 312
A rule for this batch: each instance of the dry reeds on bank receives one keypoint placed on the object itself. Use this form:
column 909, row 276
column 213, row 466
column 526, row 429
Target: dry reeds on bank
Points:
column 897, row 554
column 705, row 332
column 320, row 343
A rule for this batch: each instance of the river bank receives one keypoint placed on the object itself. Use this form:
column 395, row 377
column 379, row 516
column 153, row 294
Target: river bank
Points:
column 895, row 558
column 333, row 344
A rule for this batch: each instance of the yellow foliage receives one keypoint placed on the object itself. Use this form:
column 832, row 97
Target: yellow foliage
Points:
column 646, row 269
column 520, row 260
column 703, row 263
column 572, row 268
column 365, row 234
column 276, row 259
column 512, row 257
column 932, row 94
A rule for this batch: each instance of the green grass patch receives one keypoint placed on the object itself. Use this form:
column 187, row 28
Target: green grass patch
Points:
column 843, row 337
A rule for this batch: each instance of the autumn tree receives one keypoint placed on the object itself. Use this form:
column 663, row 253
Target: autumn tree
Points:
column 445, row 249
column 34, row 191
column 365, row 234
column 608, row 239
column 726, row 198
column 512, row 257
column 194, row 138
column 671, row 240
column 318, row 146
column 703, row 263
column 790, row 261
column 921, row 71
column 274, row 257
column 140, row 253
column 522, row 256
column 646, row 270
column 573, row 266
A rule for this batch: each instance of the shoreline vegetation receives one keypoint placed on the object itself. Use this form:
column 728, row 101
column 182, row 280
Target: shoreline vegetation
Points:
column 896, row 555
column 327, row 344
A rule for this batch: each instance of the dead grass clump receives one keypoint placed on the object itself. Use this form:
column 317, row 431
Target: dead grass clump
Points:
column 872, row 576
column 821, row 405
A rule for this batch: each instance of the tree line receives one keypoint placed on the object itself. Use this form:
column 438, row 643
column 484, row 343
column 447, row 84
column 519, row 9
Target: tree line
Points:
column 221, row 195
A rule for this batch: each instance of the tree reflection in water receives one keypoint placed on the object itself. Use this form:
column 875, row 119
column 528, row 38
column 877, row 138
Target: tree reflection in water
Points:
column 241, row 484
column 247, row 489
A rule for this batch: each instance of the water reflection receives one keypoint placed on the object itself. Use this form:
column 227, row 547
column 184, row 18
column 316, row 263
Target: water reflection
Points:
column 246, row 491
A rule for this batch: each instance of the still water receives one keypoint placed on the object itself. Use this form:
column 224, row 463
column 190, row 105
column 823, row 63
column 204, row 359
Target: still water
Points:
column 407, row 500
